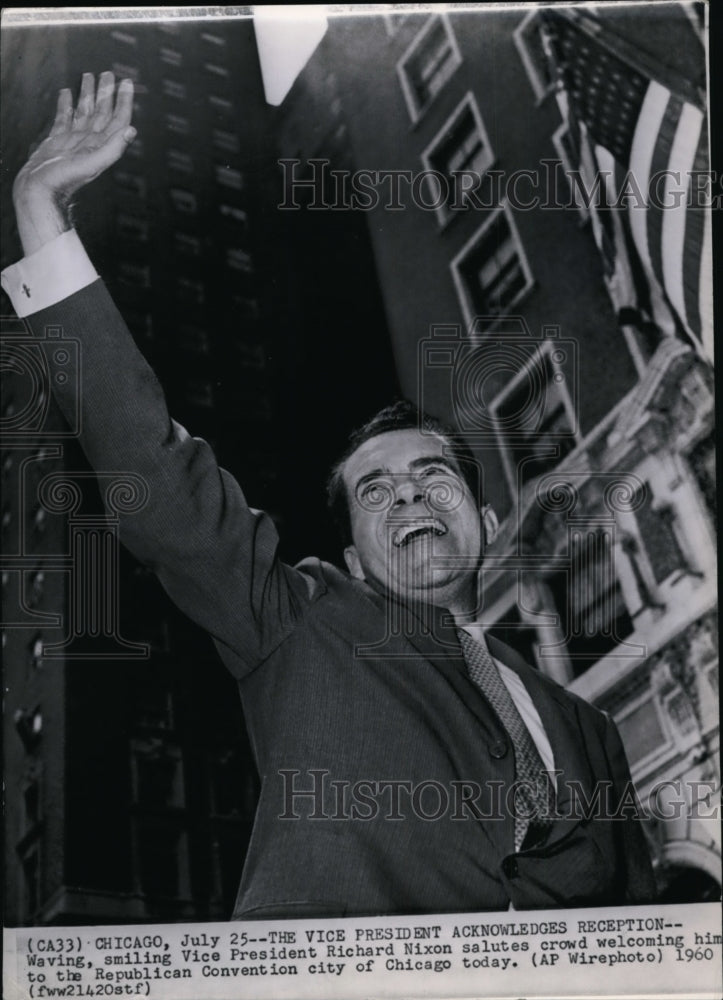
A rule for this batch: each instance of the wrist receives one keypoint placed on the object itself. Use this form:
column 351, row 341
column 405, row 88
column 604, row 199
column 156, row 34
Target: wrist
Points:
column 41, row 215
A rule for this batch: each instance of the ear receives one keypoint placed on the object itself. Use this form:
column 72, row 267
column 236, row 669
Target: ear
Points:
column 490, row 524
column 353, row 564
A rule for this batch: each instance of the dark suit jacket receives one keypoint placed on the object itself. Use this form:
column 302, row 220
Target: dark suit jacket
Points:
column 340, row 685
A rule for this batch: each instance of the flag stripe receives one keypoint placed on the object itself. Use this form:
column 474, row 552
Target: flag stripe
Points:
column 647, row 130
column 657, row 215
column 693, row 245
column 706, row 283
column 682, row 156
column 621, row 286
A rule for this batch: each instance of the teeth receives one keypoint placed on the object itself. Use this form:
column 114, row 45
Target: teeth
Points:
column 402, row 536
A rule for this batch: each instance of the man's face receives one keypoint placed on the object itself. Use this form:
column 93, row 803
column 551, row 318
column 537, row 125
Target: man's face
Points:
column 415, row 525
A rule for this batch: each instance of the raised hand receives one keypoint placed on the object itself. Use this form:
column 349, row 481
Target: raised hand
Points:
column 81, row 144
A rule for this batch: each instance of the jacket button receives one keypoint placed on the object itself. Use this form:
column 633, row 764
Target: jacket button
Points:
column 509, row 867
column 498, row 750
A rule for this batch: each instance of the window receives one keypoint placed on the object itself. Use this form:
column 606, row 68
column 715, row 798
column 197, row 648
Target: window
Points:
column 462, row 146
column 177, row 123
column 123, row 71
column 136, row 149
column 170, row 56
column 189, row 246
column 221, row 104
column 245, row 308
column 428, row 64
column 252, row 355
column 40, row 520
column 491, row 272
column 35, row 652
column 194, row 339
column 239, row 260
column 530, row 43
column 199, row 391
column 220, row 71
column 229, row 177
column 132, row 227
column 233, row 214
column 587, row 597
column 190, row 290
column 29, row 726
column 702, row 462
column 183, row 201
column 131, row 182
column 138, row 275
column 641, row 731
column 172, row 88
column 216, row 40
column 179, row 161
column 124, row 38
column 35, row 588
column 655, row 525
column 534, row 414
column 227, row 141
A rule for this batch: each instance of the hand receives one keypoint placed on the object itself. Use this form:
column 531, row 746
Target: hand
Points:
column 80, row 146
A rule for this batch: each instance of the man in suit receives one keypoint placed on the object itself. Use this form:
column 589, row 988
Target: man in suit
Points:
column 407, row 765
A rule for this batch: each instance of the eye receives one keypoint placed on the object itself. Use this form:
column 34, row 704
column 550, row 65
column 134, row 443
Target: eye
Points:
column 376, row 495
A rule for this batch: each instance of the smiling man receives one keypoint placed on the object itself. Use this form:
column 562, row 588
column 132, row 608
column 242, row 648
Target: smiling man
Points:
column 406, row 499
column 407, row 765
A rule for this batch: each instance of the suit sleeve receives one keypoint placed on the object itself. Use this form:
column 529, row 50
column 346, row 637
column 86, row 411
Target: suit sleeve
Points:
column 217, row 558
column 640, row 881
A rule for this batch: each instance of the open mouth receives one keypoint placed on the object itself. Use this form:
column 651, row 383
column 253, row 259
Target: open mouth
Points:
column 408, row 533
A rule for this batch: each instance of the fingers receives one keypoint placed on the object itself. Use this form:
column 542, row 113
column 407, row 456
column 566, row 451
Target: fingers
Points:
column 94, row 112
column 123, row 106
column 86, row 103
column 103, row 102
column 63, row 113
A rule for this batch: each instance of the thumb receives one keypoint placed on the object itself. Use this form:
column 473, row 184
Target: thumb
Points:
column 111, row 150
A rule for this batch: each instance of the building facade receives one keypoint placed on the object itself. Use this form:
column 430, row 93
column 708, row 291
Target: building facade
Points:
column 130, row 785
column 568, row 334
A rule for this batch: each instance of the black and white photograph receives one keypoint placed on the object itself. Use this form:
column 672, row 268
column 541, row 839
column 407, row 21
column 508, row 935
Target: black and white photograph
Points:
column 359, row 553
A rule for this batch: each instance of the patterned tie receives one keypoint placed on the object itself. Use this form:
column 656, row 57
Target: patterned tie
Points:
column 535, row 797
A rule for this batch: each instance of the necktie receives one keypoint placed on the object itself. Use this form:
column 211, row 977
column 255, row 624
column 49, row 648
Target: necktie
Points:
column 534, row 797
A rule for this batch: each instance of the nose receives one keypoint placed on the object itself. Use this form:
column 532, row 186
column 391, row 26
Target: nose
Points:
column 407, row 491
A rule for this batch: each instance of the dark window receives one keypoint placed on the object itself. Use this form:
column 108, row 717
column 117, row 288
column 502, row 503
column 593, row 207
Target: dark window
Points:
column 702, row 462
column 657, row 535
column 589, row 601
column 430, row 64
column 492, row 272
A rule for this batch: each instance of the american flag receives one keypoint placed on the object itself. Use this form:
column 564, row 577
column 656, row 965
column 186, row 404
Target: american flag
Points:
column 644, row 140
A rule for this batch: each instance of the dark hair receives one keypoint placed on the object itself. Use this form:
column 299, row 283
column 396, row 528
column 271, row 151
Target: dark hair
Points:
column 400, row 415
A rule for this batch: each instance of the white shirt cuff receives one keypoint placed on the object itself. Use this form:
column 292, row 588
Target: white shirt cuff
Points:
column 55, row 271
